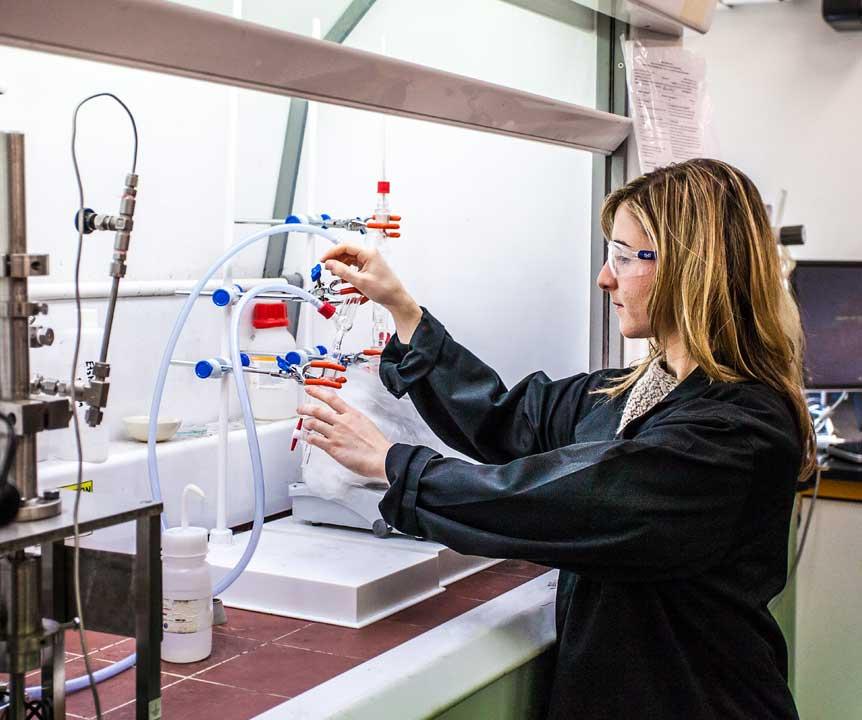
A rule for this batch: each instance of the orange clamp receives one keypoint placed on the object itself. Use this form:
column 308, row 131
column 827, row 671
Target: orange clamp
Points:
column 324, row 383
column 373, row 351
column 326, row 365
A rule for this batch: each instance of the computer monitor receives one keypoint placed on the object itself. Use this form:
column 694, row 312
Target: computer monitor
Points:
column 829, row 294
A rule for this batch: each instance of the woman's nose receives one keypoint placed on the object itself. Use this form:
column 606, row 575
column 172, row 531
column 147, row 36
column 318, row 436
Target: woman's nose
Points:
column 606, row 280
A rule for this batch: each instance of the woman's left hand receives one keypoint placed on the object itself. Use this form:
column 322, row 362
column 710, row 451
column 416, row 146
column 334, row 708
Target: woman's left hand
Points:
column 345, row 434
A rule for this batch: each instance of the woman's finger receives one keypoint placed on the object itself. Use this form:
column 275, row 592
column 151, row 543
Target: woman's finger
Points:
column 345, row 272
column 342, row 249
column 329, row 397
column 318, row 426
column 321, row 441
column 321, row 412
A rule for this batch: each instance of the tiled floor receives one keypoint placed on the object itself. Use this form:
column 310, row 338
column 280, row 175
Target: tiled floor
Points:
column 259, row 661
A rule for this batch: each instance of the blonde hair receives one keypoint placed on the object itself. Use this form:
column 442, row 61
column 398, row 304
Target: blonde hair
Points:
column 718, row 281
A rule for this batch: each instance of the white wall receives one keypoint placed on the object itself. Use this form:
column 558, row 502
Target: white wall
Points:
column 786, row 93
column 496, row 230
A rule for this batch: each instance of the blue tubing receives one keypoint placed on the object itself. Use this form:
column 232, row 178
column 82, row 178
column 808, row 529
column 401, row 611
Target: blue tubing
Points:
column 82, row 682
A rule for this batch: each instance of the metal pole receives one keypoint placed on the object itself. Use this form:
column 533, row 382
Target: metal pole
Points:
column 15, row 313
column 14, row 306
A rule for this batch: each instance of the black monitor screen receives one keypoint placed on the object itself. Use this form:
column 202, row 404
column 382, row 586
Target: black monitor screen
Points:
column 830, row 303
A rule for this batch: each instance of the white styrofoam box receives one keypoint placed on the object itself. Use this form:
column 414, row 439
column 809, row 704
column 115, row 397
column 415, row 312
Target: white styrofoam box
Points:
column 182, row 462
column 322, row 577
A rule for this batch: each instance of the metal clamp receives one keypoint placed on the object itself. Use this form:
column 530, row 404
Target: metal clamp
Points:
column 23, row 265
column 33, row 416
column 22, row 309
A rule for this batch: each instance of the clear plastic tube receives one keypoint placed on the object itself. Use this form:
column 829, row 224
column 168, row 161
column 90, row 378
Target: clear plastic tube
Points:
column 155, row 487
column 82, row 682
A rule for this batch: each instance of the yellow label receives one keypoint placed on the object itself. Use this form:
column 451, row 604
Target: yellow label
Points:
column 86, row 486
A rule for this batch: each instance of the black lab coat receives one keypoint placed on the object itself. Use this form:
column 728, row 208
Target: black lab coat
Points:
column 671, row 537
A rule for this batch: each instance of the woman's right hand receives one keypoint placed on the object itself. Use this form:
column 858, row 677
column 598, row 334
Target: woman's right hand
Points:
column 368, row 272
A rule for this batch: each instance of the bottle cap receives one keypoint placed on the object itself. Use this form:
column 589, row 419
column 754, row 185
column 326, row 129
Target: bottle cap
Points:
column 269, row 315
column 383, row 187
column 185, row 541
column 293, row 358
column 203, row 369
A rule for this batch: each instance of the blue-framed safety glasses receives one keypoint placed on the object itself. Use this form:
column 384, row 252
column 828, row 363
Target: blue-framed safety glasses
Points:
column 625, row 262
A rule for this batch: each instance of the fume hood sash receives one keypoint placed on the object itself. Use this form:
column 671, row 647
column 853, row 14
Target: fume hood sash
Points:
column 171, row 38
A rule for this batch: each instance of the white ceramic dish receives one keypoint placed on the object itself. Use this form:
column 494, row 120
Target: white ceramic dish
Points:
column 137, row 427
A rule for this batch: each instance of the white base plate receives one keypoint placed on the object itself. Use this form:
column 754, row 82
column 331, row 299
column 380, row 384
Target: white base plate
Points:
column 334, row 575
column 452, row 566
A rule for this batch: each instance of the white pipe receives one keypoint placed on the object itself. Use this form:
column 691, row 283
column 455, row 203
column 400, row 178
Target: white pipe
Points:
column 185, row 311
column 306, row 315
column 99, row 289
column 220, row 534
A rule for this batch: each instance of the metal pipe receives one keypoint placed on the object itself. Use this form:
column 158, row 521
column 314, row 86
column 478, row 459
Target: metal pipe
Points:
column 109, row 319
column 252, row 371
column 101, row 289
column 14, row 305
column 20, row 624
column 270, row 296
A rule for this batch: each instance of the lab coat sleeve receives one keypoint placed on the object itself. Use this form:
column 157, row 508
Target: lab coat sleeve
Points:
column 469, row 407
column 663, row 505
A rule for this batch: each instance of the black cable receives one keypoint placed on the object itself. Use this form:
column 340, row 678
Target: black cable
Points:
column 76, row 422
column 10, row 498
column 11, row 448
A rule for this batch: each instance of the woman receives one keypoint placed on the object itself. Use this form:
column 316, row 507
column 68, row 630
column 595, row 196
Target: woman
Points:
column 663, row 493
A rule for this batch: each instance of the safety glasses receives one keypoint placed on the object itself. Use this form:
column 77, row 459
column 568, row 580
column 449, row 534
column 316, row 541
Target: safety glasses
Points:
column 625, row 262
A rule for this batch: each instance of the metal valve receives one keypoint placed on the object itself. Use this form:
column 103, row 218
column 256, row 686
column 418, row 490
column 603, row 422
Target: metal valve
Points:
column 41, row 336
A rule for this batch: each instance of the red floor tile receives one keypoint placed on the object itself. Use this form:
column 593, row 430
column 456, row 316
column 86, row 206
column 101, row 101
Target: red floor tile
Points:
column 117, row 651
column 279, row 670
column 192, row 699
column 361, row 644
column 112, row 693
column 225, row 647
column 521, row 568
column 485, row 585
column 95, row 641
column 436, row 610
column 257, row 626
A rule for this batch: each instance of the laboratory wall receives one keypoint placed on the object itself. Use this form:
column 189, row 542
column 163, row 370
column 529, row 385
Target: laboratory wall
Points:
column 785, row 90
column 495, row 231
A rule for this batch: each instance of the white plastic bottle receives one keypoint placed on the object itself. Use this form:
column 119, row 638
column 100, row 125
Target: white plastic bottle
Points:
column 271, row 398
column 94, row 441
column 187, row 601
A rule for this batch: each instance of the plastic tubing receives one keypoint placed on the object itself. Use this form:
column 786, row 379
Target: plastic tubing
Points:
column 82, row 682
column 155, row 486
